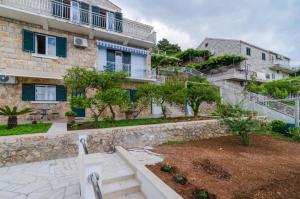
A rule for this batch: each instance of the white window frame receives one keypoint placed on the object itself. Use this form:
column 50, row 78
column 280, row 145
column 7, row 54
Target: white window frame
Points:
column 47, row 91
column 46, row 45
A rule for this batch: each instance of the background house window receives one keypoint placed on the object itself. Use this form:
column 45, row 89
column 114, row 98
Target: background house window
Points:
column 267, row 76
column 273, row 76
column 206, row 45
column 45, row 93
column 248, row 51
column 263, row 56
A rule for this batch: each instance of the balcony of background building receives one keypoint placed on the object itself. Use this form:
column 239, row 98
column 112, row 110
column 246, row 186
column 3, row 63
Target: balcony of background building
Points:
column 81, row 15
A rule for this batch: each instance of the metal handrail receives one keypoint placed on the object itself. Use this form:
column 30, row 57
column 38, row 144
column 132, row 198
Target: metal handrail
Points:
column 93, row 179
column 83, row 142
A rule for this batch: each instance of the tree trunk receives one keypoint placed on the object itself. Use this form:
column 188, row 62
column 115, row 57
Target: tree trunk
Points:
column 112, row 112
column 164, row 111
column 12, row 122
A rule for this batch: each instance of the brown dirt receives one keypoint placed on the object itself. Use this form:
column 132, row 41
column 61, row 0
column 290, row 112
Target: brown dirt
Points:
column 268, row 169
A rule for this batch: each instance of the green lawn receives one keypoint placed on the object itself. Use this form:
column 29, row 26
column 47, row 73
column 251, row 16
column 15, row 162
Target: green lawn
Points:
column 122, row 123
column 25, row 129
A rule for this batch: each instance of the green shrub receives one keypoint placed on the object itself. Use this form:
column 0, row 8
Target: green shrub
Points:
column 70, row 114
column 278, row 126
column 180, row 179
column 167, row 168
column 295, row 133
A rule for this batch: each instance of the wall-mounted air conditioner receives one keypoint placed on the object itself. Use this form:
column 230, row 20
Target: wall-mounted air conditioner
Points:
column 4, row 79
column 80, row 42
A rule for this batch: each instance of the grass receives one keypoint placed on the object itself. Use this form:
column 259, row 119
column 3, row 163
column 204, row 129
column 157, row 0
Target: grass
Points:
column 169, row 142
column 123, row 123
column 25, row 129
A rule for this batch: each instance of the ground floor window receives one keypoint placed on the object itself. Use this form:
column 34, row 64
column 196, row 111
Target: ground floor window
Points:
column 45, row 93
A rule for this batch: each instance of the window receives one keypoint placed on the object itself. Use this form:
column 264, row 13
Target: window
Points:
column 273, row 76
column 267, row 76
column 248, row 51
column 51, row 46
column 263, row 56
column 45, row 93
column 206, row 45
column 45, row 45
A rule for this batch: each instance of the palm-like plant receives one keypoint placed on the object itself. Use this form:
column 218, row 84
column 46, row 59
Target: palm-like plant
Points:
column 12, row 115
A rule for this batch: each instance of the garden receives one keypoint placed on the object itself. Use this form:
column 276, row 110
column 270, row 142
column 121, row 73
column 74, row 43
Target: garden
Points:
column 13, row 128
column 259, row 160
column 105, row 98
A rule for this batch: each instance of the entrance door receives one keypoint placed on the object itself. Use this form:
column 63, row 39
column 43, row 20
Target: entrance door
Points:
column 119, row 61
column 80, row 112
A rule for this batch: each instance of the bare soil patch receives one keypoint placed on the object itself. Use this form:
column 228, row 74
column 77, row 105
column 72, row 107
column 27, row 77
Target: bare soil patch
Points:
column 268, row 169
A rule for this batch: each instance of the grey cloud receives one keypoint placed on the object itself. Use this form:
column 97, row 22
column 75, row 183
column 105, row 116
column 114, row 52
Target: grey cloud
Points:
column 272, row 24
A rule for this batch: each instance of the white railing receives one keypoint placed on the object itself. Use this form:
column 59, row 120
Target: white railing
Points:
column 117, row 67
column 86, row 17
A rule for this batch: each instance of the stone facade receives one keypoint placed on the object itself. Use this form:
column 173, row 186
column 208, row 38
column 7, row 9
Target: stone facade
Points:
column 13, row 57
column 31, row 148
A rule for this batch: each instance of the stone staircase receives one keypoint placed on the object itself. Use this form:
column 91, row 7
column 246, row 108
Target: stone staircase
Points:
column 120, row 176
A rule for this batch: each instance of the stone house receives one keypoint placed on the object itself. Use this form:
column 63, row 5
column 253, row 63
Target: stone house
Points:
column 264, row 65
column 41, row 39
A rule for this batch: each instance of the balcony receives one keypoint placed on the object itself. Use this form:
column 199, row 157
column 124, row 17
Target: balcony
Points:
column 49, row 13
column 137, row 74
column 238, row 75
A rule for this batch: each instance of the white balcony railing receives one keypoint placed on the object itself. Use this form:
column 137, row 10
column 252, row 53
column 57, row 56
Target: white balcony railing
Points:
column 127, row 68
column 84, row 17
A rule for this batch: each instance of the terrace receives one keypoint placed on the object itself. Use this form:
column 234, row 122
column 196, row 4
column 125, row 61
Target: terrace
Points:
column 82, row 18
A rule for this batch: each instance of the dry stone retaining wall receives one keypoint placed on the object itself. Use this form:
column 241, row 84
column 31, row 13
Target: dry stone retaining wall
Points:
column 31, row 148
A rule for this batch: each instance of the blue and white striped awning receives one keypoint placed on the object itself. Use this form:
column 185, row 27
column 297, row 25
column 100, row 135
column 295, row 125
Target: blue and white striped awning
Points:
column 122, row 48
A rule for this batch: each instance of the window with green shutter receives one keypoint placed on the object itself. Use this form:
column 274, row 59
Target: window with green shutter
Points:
column 61, row 93
column 132, row 95
column 61, row 47
column 28, row 92
column 28, row 41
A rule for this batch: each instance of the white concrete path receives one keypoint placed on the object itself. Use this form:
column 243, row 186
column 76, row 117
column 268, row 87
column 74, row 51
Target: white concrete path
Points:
column 58, row 128
column 59, row 179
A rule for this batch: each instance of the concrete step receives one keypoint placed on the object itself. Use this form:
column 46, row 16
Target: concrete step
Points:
column 120, row 188
column 137, row 195
column 124, row 174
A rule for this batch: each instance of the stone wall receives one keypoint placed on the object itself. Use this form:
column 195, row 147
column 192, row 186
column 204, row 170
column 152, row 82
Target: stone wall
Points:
column 31, row 148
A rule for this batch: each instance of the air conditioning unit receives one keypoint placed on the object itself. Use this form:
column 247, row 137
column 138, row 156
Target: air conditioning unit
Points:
column 80, row 42
column 7, row 79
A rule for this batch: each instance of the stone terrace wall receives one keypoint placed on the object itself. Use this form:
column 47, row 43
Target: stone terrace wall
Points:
column 31, row 148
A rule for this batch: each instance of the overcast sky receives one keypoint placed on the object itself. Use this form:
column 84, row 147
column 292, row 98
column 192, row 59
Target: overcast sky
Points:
column 271, row 24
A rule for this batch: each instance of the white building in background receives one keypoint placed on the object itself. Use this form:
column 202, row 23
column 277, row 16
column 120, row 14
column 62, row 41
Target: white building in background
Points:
column 264, row 65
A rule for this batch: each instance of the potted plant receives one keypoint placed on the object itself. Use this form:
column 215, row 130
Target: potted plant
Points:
column 71, row 115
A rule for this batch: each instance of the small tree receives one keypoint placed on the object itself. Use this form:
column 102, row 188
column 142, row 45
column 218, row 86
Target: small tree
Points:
column 12, row 115
column 171, row 93
column 238, row 122
column 198, row 91
column 105, row 90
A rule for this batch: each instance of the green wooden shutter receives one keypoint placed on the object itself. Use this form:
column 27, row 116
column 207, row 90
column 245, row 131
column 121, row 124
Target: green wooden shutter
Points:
column 61, row 93
column 28, row 92
column 111, row 59
column 119, row 22
column 28, row 41
column 127, row 62
column 61, row 47
column 132, row 94
column 126, row 58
